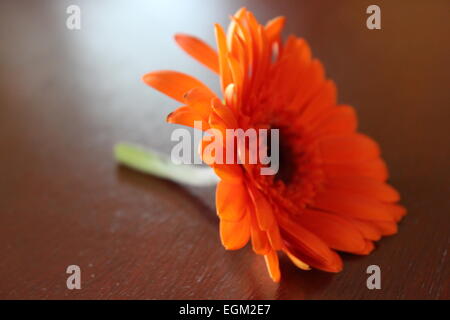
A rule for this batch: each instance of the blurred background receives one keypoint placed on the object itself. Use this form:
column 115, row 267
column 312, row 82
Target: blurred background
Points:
column 66, row 96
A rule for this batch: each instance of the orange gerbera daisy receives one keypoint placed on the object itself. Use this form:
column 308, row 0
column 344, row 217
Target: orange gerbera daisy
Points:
column 330, row 191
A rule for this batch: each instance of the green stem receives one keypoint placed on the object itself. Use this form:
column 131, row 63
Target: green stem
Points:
column 159, row 165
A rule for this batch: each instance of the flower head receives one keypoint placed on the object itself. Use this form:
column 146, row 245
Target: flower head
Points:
column 330, row 192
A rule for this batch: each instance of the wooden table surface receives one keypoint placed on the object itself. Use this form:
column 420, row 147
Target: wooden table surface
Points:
column 67, row 96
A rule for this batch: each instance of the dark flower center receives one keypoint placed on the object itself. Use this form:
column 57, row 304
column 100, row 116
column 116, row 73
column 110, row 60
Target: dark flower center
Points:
column 286, row 160
column 287, row 164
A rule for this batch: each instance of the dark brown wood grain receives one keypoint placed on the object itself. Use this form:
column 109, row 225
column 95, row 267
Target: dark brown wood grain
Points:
column 67, row 96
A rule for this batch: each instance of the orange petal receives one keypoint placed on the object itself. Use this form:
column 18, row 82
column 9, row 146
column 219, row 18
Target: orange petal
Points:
column 225, row 74
column 352, row 205
column 365, row 186
column 307, row 247
column 225, row 113
column 199, row 50
column 298, row 263
column 375, row 169
column 338, row 120
column 386, row 228
column 367, row 249
column 207, row 157
column 236, row 70
column 322, row 103
column 232, row 200
column 335, row 231
column 260, row 242
column 231, row 97
column 274, row 27
column 367, row 229
column 274, row 236
column 185, row 116
column 216, row 122
column 299, row 253
column 263, row 209
column 308, row 82
column 397, row 211
column 173, row 84
column 228, row 172
column 273, row 265
column 235, row 234
column 200, row 100
column 348, row 148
